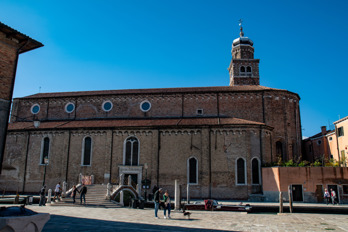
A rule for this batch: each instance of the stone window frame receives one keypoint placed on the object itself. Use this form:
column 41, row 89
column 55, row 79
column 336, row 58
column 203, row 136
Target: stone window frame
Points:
column 188, row 170
column 66, row 107
column 141, row 104
column 124, row 151
column 107, row 101
column 32, row 107
column 83, row 152
column 245, row 72
column 340, row 131
column 259, row 170
column 42, row 161
column 245, row 171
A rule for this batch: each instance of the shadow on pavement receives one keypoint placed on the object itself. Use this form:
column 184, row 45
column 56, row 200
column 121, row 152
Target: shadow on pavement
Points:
column 62, row 223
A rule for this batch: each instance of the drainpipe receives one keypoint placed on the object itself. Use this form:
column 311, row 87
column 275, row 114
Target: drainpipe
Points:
column 209, row 154
column 26, row 161
column 67, row 159
column 112, row 148
column 261, row 160
column 158, row 154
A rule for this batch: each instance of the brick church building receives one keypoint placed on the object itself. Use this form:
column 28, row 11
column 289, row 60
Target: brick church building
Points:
column 213, row 138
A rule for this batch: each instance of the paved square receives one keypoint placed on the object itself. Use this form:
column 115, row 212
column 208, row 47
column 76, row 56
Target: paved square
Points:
column 125, row 219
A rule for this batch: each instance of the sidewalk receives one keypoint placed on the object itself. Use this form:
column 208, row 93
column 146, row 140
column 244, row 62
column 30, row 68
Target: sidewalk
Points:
column 88, row 218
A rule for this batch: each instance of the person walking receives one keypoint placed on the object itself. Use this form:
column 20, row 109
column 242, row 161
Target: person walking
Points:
column 333, row 196
column 83, row 193
column 327, row 196
column 167, row 206
column 156, row 199
column 57, row 192
column 43, row 196
column 74, row 192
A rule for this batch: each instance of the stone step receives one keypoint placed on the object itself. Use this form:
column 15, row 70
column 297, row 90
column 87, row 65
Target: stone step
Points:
column 95, row 197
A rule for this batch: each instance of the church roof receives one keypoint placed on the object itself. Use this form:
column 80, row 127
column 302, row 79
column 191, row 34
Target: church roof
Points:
column 192, row 90
column 130, row 123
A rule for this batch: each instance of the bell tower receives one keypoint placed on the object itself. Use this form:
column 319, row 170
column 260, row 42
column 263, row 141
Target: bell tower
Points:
column 243, row 69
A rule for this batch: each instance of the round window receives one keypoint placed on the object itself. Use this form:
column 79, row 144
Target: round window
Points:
column 145, row 106
column 107, row 106
column 70, row 107
column 35, row 109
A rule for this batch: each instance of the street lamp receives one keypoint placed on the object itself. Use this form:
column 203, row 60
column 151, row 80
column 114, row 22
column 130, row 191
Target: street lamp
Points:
column 146, row 167
column 46, row 163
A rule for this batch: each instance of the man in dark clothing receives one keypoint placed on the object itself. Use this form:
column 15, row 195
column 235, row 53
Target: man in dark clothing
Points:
column 83, row 193
column 42, row 196
column 157, row 201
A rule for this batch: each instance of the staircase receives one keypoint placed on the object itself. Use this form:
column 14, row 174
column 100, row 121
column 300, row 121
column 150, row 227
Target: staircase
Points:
column 95, row 197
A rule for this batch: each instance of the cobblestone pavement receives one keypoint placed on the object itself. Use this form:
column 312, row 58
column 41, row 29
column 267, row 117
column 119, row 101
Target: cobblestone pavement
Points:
column 126, row 219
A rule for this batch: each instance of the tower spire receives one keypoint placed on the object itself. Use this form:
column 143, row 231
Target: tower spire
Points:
column 243, row 69
column 241, row 34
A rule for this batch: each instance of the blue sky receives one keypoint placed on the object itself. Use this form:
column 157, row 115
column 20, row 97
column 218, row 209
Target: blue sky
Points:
column 114, row 44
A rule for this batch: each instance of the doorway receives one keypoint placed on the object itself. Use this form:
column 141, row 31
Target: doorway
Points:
column 319, row 193
column 297, row 194
column 333, row 187
column 134, row 180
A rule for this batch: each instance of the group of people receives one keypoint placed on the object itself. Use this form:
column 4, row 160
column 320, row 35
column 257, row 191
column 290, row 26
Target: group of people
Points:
column 330, row 195
column 58, row 192
column 82, row 193
column 165, row 200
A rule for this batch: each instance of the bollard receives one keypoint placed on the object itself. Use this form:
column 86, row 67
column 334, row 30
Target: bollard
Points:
column 49, row 196
column 290, row 198
column 121, row 198
column 280, row 202
column 177, row 196
column 108, row 191
column 64, row 189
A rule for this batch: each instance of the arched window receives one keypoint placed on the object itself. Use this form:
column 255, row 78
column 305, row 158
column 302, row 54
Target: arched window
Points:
column 255, row 169
column 131, row 151
column 192, row 172
column 248, row 69
column 241, row 172
column 45, row 149
column 242, row 71
column 87, row 151
column 279, row 150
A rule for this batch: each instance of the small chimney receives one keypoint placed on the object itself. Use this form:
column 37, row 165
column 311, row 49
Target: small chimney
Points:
column 323, row 130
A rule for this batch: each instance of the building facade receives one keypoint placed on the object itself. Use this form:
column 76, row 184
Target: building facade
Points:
column 328, row 144
column 214, row 139
column 12, row 44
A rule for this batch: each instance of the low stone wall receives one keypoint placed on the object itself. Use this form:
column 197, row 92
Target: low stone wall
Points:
column 307, row 183
column 33, row 223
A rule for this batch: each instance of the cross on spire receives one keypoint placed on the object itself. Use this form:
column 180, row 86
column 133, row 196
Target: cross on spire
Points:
column 241, row 28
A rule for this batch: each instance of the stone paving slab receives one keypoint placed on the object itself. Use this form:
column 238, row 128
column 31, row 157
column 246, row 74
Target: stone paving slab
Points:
column 125, row 219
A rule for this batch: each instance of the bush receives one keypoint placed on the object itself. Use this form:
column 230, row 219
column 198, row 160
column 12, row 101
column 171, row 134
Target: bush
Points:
column 290, row 163
column 317, row 163
column 303, row 163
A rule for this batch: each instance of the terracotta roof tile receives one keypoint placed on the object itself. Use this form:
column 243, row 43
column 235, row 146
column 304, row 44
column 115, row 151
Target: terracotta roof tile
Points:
column 154, row 91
